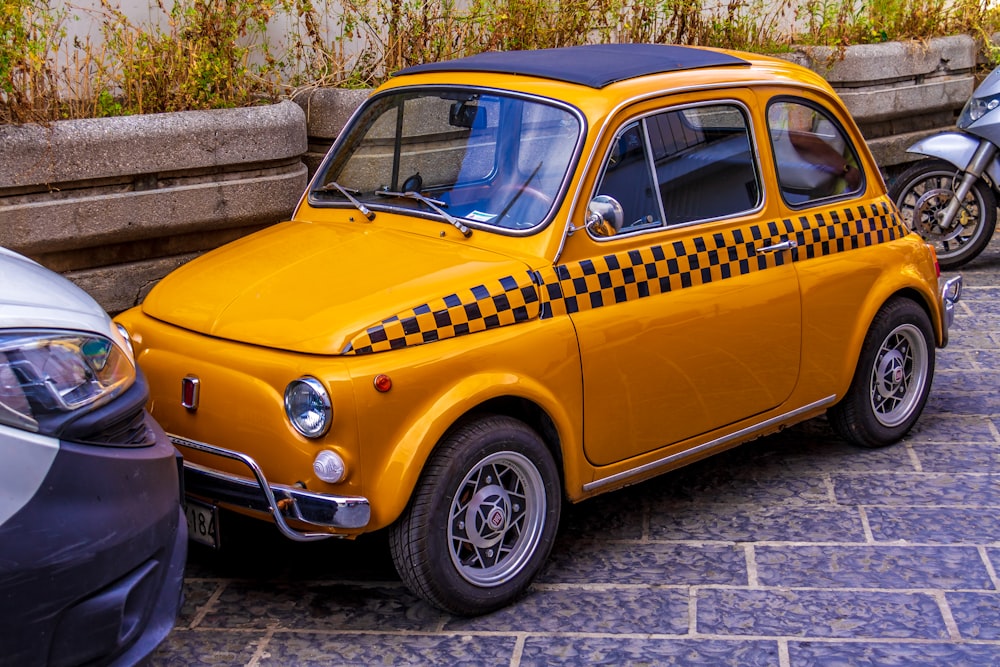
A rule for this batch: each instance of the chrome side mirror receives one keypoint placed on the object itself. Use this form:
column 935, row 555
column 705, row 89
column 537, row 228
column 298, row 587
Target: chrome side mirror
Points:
column 605, row 216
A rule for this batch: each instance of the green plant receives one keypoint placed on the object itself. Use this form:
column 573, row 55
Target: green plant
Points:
column 30, row 32
column 212, row 54
column 201, row 54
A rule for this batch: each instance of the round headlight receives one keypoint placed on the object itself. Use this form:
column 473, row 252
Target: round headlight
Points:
column 308, row 406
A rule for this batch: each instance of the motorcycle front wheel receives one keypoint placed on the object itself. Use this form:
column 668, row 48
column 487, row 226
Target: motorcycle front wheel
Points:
column 922, row 193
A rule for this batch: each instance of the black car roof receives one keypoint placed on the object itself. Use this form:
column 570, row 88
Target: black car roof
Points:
column 593, row 65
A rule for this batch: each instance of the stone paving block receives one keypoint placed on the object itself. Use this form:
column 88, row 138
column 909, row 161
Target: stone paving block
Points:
column 731, row 486
column 197, row 592
column 971, row 381
column 971, row 334
column 949, row 430
column 304, row 649
column 808, row 448
column 613, row 610
column 620, row 516
column 197, row 648
column 978, row 402
column 319, row 606
column 819, row 613
column 935, row 525
column 954, row 360
column 748, row 523
column 918, row 489
column 802, row 456
column 544, row 651
column 891, row 654
column 882, row 567
column 984, row 305
column 254, row 605
column 599, row 562
column 977, row 615
column 987, row 360
column 946, row 457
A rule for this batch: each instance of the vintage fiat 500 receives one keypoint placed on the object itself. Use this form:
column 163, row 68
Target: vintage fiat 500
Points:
column 523, row 279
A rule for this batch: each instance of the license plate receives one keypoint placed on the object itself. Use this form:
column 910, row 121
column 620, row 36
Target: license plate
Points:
column 203, row 523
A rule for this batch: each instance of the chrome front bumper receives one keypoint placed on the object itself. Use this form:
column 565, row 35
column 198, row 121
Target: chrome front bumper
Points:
column 950, row 294
column 282, row 502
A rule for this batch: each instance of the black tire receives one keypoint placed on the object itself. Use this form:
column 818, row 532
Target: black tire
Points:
column 924, row 190
column 493, row 469
column 892, row 380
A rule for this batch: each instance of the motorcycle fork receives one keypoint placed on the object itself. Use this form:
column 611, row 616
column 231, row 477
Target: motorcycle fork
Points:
column 974, row 171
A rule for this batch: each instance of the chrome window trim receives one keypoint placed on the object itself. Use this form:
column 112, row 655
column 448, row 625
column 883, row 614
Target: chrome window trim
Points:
column 751, row 137
column 749, row 84
column 388, row 207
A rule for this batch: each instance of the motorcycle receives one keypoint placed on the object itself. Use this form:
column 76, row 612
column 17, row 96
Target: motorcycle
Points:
column 950, row 196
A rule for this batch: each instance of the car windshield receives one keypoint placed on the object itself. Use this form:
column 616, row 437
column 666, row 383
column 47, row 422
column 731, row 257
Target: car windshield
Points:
column 470, row 158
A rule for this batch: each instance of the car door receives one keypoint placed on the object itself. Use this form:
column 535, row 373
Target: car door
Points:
column 688, row 318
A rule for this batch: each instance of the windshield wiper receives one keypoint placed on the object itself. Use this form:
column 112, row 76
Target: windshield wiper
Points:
column 349, row 195
column 435, row 204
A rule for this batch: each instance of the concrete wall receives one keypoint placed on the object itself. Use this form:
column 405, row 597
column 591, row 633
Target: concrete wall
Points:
column 899, row 92
column 115, row 203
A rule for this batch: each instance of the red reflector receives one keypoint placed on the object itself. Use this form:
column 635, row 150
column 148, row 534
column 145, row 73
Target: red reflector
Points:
column 382, row 383
column 189, row 392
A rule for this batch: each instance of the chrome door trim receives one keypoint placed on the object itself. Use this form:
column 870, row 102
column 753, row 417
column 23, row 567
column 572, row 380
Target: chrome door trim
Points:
column 742, row 434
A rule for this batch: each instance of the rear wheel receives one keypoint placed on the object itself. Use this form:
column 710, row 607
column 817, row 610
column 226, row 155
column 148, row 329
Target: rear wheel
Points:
column 923, row 191
column 892, row 380
column 482, row 519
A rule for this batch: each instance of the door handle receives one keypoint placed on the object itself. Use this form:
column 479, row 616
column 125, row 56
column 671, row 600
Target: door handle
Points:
column 778, row 247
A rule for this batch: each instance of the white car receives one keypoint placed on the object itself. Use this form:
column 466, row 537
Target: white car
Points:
column 92, row 534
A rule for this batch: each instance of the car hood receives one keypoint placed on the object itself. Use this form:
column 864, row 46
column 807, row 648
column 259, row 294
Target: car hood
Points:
column 32, row 296
column 344, row 288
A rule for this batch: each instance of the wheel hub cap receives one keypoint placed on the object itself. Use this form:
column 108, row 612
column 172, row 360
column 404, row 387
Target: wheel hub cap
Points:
column 899, row 375
column 487, row 517
column 891, row 374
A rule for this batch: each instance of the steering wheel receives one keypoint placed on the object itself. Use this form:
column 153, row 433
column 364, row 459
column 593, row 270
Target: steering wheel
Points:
column 523, row 206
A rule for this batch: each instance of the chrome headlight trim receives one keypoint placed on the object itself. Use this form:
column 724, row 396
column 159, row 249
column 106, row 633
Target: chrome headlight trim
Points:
column 308, row 407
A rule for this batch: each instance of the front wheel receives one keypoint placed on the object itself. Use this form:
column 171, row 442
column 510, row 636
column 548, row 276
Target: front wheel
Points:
column 892, row 379
column 923, row 191
column 482, row 519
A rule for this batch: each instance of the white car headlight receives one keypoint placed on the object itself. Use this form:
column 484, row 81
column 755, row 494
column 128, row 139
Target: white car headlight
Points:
column 48, row 373
column 308, row 407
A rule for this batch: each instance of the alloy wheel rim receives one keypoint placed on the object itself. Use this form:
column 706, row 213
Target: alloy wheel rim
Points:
column 496, row 519
column 898, row 375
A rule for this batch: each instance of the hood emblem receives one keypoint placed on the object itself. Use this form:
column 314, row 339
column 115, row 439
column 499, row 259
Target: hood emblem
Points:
column 190, row 392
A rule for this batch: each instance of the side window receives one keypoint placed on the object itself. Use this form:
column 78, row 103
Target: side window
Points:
column 704, row 166
column 683, row 165
column 812, row 156
column 628, row 179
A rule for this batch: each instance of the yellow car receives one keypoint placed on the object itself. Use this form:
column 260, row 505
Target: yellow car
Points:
column 527, row 278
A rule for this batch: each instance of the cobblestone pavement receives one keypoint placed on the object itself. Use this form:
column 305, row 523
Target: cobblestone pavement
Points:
column 791, row 550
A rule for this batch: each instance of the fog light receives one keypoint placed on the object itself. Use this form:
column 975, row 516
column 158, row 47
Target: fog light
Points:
column 329, row 467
